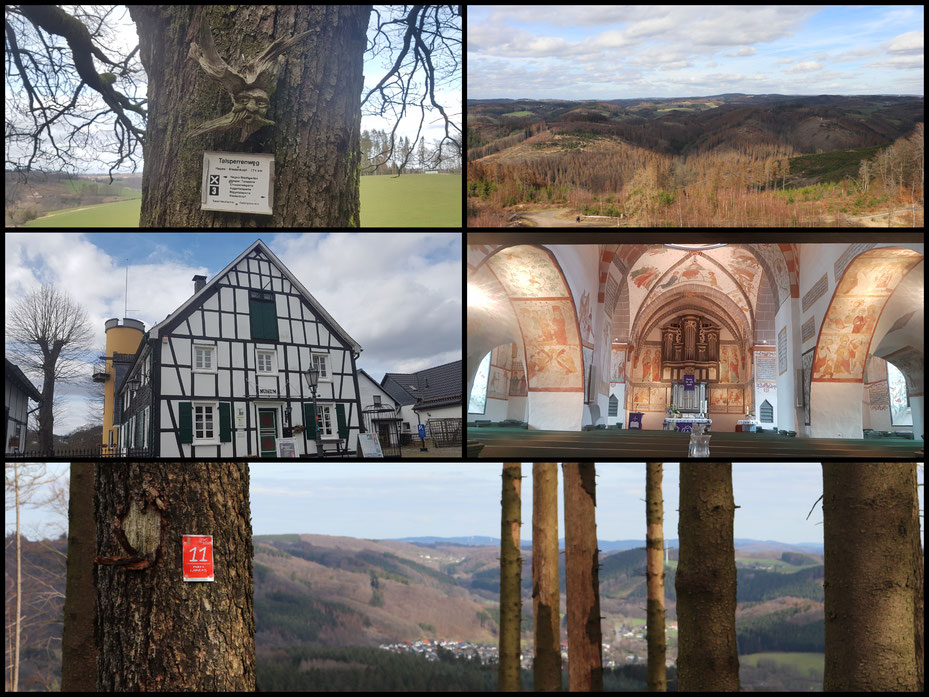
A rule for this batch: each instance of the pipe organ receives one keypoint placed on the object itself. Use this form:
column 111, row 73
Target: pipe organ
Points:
column 690, row 346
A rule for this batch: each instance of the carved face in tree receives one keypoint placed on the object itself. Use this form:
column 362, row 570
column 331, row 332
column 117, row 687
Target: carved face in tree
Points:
column 254, row 102
column 250, row 89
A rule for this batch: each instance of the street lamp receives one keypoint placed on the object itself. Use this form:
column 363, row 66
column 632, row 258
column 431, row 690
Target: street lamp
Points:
column 312, row 379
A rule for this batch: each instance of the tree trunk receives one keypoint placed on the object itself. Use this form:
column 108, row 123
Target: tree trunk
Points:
column 919, row 598
column 510, row 579
column 708, row 659
column 546, row 597
column 654, row 578
column 156, row 631
column 78, row 646
column 316, row 109
column 868, row 530
column 585, row 660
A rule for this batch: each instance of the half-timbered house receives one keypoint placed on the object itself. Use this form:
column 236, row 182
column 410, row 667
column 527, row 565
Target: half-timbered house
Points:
column 226, row 374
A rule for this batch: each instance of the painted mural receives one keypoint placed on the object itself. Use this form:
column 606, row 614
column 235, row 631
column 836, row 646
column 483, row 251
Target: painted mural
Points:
column 585, row 318
column 774, row 257
column 618, row 367
column 528, row 272
column 649, row 364
column 649, row 398
column 497, row 387
column 553, row 359
column 731, row 364
column 726, row 400
column 854, row 310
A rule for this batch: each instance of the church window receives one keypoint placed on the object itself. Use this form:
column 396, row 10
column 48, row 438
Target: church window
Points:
column 900, row 412
column 479, row 390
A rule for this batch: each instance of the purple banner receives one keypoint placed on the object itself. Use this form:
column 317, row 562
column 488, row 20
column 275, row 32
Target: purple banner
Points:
column 689, row 382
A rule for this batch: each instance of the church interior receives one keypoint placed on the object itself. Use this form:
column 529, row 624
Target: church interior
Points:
column 596, row 346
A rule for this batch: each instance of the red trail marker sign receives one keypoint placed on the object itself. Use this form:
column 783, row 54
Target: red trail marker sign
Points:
column 198, row 557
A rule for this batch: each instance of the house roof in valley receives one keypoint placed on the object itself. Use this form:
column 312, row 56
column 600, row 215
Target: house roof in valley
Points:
column 317, row 308
column 433, row 387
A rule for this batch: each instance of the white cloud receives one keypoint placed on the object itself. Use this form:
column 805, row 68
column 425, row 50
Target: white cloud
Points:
column 909, row 43
column 805, row 67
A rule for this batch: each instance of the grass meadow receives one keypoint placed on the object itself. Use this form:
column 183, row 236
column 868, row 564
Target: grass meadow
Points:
column 412, row 200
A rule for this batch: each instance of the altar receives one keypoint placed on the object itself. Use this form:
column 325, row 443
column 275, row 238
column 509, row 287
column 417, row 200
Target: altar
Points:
column 746, row 426
column 685, row 424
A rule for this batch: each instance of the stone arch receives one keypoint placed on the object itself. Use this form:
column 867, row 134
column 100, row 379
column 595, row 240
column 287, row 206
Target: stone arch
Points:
column 846, row 338
column 540, row 302
column 696, row 296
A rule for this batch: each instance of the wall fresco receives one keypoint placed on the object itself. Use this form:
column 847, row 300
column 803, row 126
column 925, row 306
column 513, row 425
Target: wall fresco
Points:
column 528, row 272
column 552, row 348
column 618, row 367
column 853, row 313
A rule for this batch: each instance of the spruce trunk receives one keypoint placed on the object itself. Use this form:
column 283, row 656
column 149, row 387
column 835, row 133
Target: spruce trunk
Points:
column 155, row 631
column 510, row 579
column 316, row 109
column 708, row 659
column 654, row 577
column 78, row 644
column 585, row 660
column 868, row 531
column 546, row 668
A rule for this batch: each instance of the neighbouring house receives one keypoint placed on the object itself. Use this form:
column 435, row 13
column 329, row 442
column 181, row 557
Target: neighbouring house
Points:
column 379, row 410
column 430, row 395
column 225, row 375
column 17, row 393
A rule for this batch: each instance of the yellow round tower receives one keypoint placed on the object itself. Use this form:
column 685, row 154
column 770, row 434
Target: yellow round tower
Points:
column 122, row 341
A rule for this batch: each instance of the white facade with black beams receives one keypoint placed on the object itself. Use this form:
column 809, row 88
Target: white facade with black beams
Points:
column 223, row 375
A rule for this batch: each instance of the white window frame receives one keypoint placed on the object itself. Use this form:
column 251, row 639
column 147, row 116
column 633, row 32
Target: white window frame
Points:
column 209, row 349
column 326, row 366
column 272, row 361
column 326, row 412
column 214, row 416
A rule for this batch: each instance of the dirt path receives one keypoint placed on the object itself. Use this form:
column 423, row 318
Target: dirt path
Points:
column 559, row 217
column 901, row 216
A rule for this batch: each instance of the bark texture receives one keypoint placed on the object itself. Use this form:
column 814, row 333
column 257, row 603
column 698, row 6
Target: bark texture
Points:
column 546, row 597
column 868, row 531
column 510, row 579
column 316, row 107
column 654, row 578
column 582, row 565
column 708, row 658
column 78, row 647
column 156, row 632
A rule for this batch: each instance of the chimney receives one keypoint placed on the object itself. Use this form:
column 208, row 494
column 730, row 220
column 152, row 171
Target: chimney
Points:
column 199, row 282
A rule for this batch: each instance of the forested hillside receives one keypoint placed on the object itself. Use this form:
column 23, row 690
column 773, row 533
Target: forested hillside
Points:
column 729, row 159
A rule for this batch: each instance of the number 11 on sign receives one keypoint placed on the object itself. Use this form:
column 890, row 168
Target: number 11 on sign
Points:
column 198, row 557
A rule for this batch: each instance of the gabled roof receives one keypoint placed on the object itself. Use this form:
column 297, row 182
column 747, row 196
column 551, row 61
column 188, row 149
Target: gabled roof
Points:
column 18, row 378
column 362, row 373
column 154, row 332
column 432, row 387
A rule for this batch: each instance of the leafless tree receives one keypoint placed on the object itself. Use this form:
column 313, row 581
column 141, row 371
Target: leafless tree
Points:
column 424, row 42
column 50, row 335
column 24, row 485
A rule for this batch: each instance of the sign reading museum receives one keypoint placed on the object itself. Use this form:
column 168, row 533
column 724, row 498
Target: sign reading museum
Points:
column 239, row 182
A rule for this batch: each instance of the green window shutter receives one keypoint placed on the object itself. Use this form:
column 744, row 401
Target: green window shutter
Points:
column 309, row 421
column 263, row 318
column 225, row 422
column 186, row 419
column 340, row 419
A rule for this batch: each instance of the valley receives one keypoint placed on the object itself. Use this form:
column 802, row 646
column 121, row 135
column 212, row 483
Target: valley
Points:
column 731, row 160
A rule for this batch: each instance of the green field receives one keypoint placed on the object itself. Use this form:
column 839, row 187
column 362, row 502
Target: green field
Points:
column 801, row 661
column 412, row 200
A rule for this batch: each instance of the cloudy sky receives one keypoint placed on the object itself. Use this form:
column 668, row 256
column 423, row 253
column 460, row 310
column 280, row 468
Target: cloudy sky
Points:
column 381, row 501
column 627, row 51
column 398, row 295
